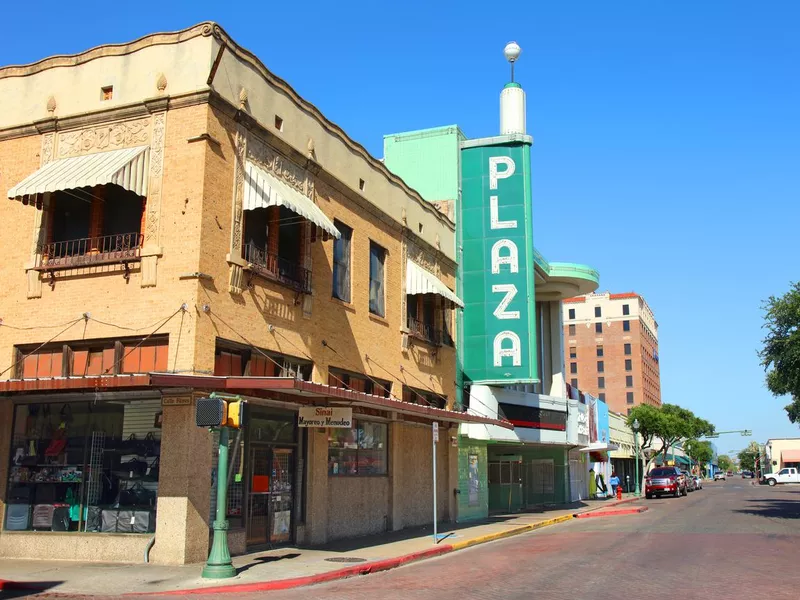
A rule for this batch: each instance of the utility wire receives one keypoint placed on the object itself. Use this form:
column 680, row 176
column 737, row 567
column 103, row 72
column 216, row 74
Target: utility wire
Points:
column 40, row 346
column 147, row 337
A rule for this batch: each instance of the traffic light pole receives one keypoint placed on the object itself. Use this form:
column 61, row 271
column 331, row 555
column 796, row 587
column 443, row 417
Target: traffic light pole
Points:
column 218, row 565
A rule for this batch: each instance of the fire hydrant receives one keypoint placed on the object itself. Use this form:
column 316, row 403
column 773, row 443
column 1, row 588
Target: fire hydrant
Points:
column 619, row 492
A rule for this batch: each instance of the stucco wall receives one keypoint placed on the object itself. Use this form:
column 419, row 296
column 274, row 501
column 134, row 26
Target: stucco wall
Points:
column 86, row 547
column 357, row 506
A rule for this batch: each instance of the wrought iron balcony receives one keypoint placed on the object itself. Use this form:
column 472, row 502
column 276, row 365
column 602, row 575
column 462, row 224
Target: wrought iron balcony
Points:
column 425, row 331
column 87, row 252
column 272, row 266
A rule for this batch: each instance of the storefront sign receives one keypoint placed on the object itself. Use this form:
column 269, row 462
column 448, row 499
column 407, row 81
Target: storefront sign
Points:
column 176, row 401
column 325, row 416
column 497, row 264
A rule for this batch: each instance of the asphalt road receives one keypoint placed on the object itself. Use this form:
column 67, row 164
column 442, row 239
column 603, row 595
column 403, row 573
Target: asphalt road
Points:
column 730, row 540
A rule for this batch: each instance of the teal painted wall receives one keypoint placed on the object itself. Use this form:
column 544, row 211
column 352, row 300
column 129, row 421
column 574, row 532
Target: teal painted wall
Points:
column 427, row 160
column 470, row 510
column 499, row 500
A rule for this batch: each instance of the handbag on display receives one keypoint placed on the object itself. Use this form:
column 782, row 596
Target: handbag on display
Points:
column 151, row 473
column 150, row 446
column 138, row 495
column 131, row 469
column 130, row 445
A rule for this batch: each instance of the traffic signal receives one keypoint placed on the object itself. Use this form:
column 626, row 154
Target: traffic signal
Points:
column 218, row 411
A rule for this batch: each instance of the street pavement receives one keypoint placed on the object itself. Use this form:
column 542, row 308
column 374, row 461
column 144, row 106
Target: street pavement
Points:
column 728, row 541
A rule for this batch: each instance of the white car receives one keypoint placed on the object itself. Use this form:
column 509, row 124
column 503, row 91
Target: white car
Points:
column 788, row 475
column 698, row 482
column 719, row 476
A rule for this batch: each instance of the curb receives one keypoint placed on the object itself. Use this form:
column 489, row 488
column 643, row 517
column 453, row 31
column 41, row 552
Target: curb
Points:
column 283, row 584
column 611, row 505
column 612, row 513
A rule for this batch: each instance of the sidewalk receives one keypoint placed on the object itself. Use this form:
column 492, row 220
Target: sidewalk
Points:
column 284, row 567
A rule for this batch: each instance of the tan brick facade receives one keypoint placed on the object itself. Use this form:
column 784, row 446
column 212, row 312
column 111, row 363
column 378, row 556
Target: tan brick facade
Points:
column 188, row 259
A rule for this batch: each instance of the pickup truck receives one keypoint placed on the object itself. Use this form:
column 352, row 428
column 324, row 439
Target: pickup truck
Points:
column 788, row 475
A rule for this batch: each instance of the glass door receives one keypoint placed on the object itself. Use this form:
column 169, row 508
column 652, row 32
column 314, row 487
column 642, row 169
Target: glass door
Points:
column 281, row 499
column 258, row 495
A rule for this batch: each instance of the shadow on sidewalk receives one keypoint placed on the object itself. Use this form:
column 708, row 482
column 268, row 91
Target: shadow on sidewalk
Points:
column 262, row 560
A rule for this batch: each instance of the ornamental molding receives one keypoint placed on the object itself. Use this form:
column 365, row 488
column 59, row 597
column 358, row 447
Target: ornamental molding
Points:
column 281, row 167
column 112, row 136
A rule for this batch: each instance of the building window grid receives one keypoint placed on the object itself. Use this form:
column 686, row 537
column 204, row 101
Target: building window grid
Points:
column 599, row 351
column 598, row 312
column 600, row 366
column 598, row 328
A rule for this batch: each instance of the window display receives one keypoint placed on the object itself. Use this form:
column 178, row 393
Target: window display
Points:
column 362, row 450
column 84, row 466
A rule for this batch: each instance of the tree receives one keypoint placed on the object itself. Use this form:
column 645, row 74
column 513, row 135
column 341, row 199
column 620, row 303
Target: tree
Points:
column 724, row 462
column 780, row 355
column 747, row 457
column 666, row 425
column 701, row 453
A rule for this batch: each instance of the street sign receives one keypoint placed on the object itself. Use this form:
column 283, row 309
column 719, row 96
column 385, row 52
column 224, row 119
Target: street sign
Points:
column 435, row 431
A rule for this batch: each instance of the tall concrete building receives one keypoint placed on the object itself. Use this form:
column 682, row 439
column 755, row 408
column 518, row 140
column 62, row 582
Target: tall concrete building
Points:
column 611, row 349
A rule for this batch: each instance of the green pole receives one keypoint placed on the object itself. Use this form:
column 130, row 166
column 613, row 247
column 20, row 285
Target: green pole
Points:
column 638, row 492
column 218, row 565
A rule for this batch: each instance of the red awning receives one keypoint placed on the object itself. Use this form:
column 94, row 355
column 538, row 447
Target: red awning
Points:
column 56, row 384
column 790, row 456
column 309, row 389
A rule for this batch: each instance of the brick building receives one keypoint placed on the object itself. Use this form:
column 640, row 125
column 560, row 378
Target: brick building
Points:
column 181, row 221
column 611, row 349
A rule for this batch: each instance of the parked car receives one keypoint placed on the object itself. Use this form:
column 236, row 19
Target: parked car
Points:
column 719, row 476
column 698, row 482
column 747, row 475
column 665, row 480
column 690, row 484
column 788, row 475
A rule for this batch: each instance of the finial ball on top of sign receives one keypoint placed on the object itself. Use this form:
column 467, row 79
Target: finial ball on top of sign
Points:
column 512, row 51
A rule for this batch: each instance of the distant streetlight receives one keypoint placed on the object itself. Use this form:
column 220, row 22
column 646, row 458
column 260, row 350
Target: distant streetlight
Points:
column 635, row 426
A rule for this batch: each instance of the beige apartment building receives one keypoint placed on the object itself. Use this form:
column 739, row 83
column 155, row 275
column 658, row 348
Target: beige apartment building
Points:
column 611, row 349
column 180, row 221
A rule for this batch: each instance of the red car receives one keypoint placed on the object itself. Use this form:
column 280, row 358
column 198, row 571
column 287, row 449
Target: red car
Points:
column 665, row 480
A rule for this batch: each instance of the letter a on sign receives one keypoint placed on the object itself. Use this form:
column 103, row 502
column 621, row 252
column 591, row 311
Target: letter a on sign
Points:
column 514, row 351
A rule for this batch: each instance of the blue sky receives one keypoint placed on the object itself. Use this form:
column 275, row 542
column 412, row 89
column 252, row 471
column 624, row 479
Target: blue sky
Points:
column 666, row 132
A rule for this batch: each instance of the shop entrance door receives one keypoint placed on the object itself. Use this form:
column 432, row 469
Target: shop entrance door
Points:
column 270, row 495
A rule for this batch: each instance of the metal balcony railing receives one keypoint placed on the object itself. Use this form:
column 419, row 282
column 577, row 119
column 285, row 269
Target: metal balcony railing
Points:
column 272, row 266
column 425, row 331
column 87, row 252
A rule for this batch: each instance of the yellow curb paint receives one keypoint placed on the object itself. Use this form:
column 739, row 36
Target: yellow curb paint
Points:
column 511, row 532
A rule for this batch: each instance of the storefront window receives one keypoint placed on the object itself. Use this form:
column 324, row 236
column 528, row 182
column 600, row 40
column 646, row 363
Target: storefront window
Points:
column 362, row 450
column 85, row 466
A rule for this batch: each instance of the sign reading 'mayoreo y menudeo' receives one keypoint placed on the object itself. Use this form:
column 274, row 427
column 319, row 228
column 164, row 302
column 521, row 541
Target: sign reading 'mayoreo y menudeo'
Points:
column 496, row 231
column 325, row 416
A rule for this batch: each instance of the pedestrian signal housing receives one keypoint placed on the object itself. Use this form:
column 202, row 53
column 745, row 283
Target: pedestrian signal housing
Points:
column 220, row 412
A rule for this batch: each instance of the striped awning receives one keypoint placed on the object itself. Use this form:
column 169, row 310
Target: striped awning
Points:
column 126, row 168
column 262, row 190
column 422, row 281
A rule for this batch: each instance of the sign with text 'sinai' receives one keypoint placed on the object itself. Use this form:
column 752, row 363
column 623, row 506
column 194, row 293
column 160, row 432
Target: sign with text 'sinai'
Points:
column 325, row 416
column 499, row 338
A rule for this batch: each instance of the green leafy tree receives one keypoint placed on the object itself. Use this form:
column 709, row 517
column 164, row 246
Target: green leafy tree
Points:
column 724, row 462
column 700, row 452
column 780, row 355
column 747, row 457
column 665, row 426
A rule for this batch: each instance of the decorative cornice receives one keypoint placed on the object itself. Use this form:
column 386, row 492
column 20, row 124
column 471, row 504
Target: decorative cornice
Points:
column 73, row 60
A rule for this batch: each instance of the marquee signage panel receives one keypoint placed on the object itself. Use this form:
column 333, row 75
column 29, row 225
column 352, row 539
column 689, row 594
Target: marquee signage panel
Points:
column 499, row 337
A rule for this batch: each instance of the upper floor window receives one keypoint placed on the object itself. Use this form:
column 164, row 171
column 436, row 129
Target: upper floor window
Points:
column 601, row 382
column 358, row 382
column 628, row 364
column 599, row 351
column 598, row 328
column 572, row 329
column 627, row 349
column 341, row 262
column 598, row 311
column 574, row 383
column 93, row 358
column 423, row 397
column 377, row 291
column 626, row 325
column 600, row 366
column 629, row 381
column 573, row 367
column 573, row 352
column 629, row 397
column 421, row 311
column 274, row 245
column 626, row 309
column 234, row 360
column 571, row 313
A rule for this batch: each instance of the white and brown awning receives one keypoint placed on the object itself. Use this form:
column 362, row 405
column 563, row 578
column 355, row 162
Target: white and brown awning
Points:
column 422, row 281
column 126, row 168
column 262, row 190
